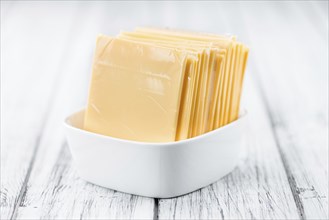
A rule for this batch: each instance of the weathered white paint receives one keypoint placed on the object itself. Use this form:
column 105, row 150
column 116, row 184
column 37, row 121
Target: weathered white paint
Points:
column 28, row 83
column 258, row 188
column 47, row 193
column 46, row 53
column 294, row 84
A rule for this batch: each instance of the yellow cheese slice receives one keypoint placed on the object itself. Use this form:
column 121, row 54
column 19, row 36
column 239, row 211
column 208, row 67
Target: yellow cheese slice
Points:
column 186, row 103
column 212, row 90
column 232, row 114
column 223, row 89
column 135, row 90
column 230, row 90
column 201, row 112
column 240, row 81
column 186, row 106
column 221, row 41
column 214, row 84
column 201, row 80
column 239, row 75
column 184, row 33
column 173, row 84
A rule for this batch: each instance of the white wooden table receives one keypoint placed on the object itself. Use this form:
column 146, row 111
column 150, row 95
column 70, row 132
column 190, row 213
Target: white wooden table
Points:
column 46, row 54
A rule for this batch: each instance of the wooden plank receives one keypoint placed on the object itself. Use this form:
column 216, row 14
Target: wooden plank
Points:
column 61, row 194
column 53, row 189
column 49, row 187
column 294, row 84
column 257, row 188
column 27, row 87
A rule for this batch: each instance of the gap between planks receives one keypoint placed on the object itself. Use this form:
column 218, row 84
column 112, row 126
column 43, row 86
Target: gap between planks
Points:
column 290, row 176
column 55, row 86
column 156, row 209
column 23, row 189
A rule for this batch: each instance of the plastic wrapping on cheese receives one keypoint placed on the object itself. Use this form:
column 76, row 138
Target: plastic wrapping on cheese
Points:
column 161, row 85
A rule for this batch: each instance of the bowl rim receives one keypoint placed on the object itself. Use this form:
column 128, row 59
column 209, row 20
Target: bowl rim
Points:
column 67, row 124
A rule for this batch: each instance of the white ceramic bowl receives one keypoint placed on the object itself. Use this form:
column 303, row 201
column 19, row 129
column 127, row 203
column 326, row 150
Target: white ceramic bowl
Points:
column 160, row 170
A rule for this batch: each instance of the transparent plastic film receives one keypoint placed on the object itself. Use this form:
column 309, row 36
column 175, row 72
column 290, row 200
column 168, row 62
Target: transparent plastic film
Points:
column 164, row 85
column 135, row 90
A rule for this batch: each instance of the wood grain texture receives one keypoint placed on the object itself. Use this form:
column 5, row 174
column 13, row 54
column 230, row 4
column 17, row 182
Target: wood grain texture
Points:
column 262, row 51
column 295, row 91
column 51, row 188
column 25, row 101
column 257, row 188
column 46, row 53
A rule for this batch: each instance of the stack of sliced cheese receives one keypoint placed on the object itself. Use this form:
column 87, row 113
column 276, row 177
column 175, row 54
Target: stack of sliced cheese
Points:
column 160, row 85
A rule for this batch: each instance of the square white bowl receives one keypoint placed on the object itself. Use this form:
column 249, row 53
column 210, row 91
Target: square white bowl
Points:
column 160, row 170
